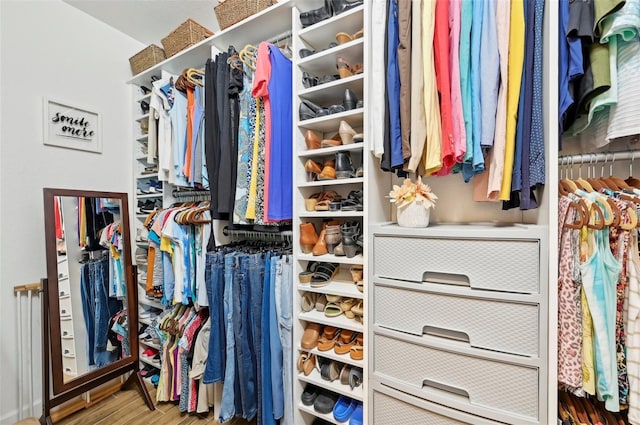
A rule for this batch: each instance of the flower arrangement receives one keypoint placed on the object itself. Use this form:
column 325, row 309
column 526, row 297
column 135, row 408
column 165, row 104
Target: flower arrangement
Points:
column 411, row 192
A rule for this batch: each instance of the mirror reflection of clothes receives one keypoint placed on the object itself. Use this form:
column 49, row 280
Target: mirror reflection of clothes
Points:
column 97, row 309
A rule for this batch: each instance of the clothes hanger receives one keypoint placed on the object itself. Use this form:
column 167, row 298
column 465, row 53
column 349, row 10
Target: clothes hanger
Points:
column 632, row 181
column 591, row 175
column 580, row 220
column 195, row 76
column 580, row 182
column 248, row 56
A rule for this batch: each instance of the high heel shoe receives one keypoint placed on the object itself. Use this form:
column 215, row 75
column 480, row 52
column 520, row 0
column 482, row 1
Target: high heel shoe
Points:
column 336, row 140
column 349, row 100
column 339, row 6
column 328, row 170
column 346, row 133
column 308, row 237
column 312, row 140
column 320, row 248
column 313, row 168
column 343, row 37
column 343, row 166
column 344, row 67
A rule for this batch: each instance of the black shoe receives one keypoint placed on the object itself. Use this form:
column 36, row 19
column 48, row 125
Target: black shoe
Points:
column 316, row 15
column 325, row 401
column 310, row 110
column 344, row 166
column 349, row 100
column 336, row 109
column 340, row 6
column 309, row 80
column 305, row 52
column 328, row 78
column 309, row 394
column 144, row 107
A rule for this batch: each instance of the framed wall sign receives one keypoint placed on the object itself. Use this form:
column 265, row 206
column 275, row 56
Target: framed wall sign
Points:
column 71, row 127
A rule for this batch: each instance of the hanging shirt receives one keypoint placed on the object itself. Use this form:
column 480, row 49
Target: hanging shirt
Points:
column 516, row 61
column 457, row 114
column 418, row 117
column 466, row 15
column 178, row 114
column 431, row 155
column 376, row 99
column 261, row 89
column 490, row 72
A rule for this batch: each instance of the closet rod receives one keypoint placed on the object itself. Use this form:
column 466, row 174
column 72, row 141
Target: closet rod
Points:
column 597, row 157
column 280, row 37
column 191, row 195
column 285, row 235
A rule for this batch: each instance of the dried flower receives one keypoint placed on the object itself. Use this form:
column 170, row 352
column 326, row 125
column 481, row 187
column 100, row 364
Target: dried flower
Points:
column 413, row 192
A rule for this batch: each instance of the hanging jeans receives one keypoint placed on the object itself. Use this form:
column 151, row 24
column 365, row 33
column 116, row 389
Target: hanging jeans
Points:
column 105, row 307
column 265, row 358
column 275, row 344
column 244, row 341
column 88, row 309
column 214, row 369
column 284, row 305
column 256, row 278
column 227, row 406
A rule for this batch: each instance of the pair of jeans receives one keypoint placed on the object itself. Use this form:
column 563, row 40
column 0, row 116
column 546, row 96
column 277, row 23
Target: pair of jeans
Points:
column 265, row 357
column 274, row 341
column 227, row 405
column 105, row 307
column 256, row 278
column 244, row 340
column 214, row 369
column 284, row 307
column 88, row 309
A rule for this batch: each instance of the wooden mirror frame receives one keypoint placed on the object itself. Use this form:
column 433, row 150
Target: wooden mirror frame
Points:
column 51, row 332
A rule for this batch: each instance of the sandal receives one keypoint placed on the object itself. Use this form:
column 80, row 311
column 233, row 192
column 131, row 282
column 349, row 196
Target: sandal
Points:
column 325, row 199
column 356, row 273
column 333, row 308
column 357, row 351
column 355, row 377
column 323, row 274
column 306, row 363
column 308, row 301
column 328, row 338
column 346, row 305
column 330, row 370
column 358, row 309
column 305, row 276
column 311, row 202
column 343, row 37
column 321, row 301
column 346, row 341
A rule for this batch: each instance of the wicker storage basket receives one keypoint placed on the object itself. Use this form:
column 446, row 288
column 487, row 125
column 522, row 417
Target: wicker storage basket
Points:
column 230, row 12
column 146, row 58
column 187, row 34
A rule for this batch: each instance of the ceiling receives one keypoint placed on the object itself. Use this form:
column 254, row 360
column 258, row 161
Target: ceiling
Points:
column 148, row 21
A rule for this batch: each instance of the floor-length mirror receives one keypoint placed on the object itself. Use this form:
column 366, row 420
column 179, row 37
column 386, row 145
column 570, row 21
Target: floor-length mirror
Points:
column 90, row 290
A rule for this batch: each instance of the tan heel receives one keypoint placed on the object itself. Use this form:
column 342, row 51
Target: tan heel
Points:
column 346, row 133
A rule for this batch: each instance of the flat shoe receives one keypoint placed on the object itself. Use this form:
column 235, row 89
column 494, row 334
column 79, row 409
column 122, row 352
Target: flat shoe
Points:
column 328, row 339
column 325, row 401
column 321, row 301
column 344, row 408
column 355, row 377
column 308, row 301
column 332, row 309
column 309, row 394
column 311, row 335
column 330, row 371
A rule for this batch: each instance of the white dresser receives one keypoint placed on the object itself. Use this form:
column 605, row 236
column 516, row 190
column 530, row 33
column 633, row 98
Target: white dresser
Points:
column 458, row 325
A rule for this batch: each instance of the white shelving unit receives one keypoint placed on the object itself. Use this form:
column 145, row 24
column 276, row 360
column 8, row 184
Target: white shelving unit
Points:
column 317, row 37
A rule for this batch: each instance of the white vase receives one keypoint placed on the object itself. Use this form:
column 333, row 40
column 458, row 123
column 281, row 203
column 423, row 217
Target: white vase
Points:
column 413, row 215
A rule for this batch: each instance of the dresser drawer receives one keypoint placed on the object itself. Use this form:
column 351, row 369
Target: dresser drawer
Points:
column 407, row 410
column 510, row 265
column 479, row 385
column 490, row 324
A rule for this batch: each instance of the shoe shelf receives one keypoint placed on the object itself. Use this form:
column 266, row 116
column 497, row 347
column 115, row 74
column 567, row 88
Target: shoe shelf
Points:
column 324, row 62
column 330, row 258
column 335, row 386
column 142, row 117
column 144, row 98
column 150, row 344
column 330, row 214
column 333, row 182
column 340, row 321
column 330, row 151
column 143, row 138
column 326, row 416
column 142, row 158
column 150, row 195
column 149, row 361
column 332, row 91
column 331, row 122
column 344, row 289
column 330, row 354
column 316, row 35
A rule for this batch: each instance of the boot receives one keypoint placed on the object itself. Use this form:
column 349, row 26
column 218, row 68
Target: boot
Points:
column 308, row 237
column 333, row 237
column 320, row 248
column 344, row 166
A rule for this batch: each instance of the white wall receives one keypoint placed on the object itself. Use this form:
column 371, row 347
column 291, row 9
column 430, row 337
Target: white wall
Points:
column 48, row 48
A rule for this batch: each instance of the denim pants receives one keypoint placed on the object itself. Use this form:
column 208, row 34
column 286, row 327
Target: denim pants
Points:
column 105, row 308
column 274, row 343
column 214, row 368
column 265, row 358
column 284, row 307
column 244, row 341
column 256, row 279
column 88, row 309
column 227, row 406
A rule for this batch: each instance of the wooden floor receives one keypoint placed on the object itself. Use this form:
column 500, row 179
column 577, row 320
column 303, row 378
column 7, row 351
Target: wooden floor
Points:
column 127, row 407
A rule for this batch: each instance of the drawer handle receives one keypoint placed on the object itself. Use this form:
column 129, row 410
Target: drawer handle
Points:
column 446, row 278
column 446, row 333
column 445, row 387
